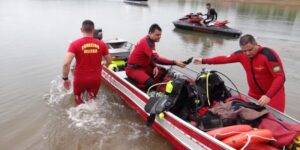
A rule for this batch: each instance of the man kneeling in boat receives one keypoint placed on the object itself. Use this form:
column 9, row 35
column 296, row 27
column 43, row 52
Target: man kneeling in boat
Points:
column 263, row 66
column 141, row 65
column 88, row 53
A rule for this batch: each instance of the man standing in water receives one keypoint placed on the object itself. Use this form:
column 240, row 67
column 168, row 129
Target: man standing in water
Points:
column 88, row 53
column 141, row 65
column 263, row 66
column 211, row 15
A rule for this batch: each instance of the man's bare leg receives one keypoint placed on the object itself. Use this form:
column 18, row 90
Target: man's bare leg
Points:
column 202, row 23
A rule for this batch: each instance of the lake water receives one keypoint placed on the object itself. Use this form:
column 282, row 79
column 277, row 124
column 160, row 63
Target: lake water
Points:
column 35, row 111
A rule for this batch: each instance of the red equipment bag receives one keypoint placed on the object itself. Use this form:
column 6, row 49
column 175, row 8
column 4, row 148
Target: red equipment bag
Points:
column 283, row 132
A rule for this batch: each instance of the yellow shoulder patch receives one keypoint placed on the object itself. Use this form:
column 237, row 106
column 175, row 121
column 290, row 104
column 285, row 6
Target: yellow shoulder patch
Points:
column 276, row 68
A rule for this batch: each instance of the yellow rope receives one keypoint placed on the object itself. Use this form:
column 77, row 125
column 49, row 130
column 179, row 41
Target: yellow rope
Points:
column 207, row 91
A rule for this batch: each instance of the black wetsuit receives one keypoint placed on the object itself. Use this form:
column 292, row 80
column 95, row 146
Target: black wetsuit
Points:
column 211, row 15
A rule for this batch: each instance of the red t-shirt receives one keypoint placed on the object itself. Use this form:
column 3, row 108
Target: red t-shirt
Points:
column 88, row 54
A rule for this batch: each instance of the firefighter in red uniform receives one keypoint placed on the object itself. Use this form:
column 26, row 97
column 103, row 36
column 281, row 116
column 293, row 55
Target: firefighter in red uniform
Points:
column 88, row 53
column 141, row 65
column 265, row 74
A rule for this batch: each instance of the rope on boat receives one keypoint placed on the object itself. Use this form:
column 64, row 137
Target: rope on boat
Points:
column 207, row 90
column 249, row 140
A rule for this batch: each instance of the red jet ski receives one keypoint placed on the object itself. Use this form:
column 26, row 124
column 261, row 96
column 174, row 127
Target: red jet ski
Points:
column 192, row 22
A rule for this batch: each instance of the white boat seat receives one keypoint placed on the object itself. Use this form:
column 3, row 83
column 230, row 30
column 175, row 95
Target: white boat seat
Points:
column 121, row 74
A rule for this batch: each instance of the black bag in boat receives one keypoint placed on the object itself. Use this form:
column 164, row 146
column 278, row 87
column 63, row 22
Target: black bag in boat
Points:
column 185, row 101
column 216, row 88
column 178, row 100
column 156, row 105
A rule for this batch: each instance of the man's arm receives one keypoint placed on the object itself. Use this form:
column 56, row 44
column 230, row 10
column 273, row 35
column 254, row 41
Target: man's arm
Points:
column 163, row 61
column 107, row 60
column 160, row 60
column 106, row 55
column 235, row 57
column 66, row 69
column 67, row 63
column 216, row 15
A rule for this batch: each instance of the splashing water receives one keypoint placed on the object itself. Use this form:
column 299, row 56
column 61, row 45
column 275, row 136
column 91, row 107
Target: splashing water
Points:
column 88, row 115
column 58, row 95
column 102, row 123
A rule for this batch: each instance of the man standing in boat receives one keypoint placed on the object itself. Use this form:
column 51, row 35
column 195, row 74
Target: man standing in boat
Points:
column 211, row 15
column 264, row 69
column 88, row 53
column 141, row 64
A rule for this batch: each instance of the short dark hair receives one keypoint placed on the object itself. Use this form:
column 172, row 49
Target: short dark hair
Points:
column 208, row 4
column 247, row 38
column 88, row 26
column 154, row 27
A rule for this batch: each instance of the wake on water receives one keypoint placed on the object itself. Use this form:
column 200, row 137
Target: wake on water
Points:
column 103, row 123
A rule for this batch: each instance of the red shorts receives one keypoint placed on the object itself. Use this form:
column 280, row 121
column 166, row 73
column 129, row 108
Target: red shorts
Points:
column 89, row 82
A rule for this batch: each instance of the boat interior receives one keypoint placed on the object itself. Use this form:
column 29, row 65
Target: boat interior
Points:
column 184, row 107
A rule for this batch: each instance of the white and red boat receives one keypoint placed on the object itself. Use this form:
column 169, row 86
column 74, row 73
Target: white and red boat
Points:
column 180, row 133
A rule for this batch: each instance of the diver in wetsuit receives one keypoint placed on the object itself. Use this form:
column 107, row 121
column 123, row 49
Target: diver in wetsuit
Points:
column 142, row 62
column 211, row 15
